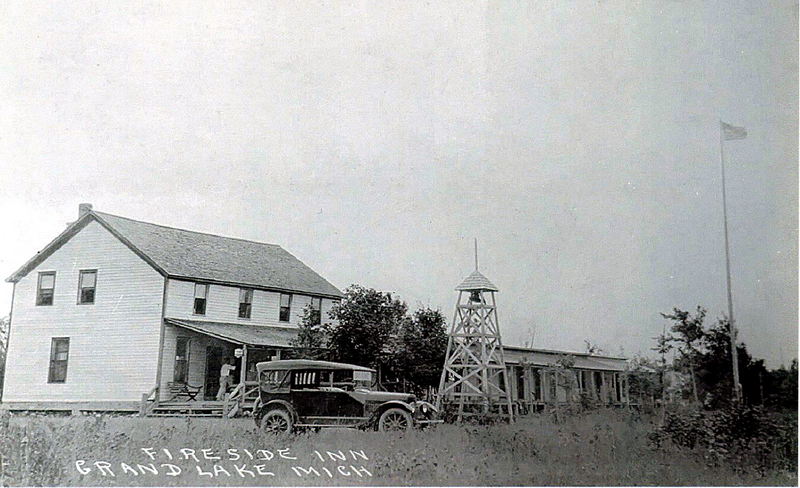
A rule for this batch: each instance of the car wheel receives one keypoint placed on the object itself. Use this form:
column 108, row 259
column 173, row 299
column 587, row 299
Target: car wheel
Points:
column 394, row 419
column 276, row 421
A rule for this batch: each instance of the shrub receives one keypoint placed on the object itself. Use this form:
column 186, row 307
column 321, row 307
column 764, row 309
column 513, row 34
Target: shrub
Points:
column 745, row 437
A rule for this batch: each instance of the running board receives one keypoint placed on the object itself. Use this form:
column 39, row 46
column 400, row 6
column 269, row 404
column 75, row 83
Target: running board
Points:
column 347, row 426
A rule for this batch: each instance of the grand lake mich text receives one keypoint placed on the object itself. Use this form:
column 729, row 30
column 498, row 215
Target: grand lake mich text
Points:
column 232, row 463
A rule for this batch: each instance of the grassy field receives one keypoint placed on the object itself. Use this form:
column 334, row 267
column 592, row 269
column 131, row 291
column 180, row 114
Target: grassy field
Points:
column 602, row 448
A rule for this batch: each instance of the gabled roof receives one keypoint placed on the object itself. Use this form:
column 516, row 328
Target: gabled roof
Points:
column 476, row 281
column 179, row 253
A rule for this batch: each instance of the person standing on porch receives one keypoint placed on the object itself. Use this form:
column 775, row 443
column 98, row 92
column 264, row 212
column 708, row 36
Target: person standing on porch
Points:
column 225, row 378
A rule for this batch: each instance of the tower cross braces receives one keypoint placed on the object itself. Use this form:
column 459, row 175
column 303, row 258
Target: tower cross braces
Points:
column 474, row 381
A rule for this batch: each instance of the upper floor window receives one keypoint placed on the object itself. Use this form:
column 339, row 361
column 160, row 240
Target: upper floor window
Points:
column 200, row 296
column 316, row 310
column 286, row 307
column 59, row 354
column 86, row 285
column 46, row 288
column 245, row 302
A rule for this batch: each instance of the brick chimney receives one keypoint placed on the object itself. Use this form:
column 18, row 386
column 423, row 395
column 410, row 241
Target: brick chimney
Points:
column 83, row 209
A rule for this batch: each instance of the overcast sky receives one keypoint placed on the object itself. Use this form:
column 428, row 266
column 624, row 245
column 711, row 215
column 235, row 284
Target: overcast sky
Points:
column 578, row 141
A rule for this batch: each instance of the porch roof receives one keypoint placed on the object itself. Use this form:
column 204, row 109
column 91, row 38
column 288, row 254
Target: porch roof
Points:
column 252, row 335
column 517, row 355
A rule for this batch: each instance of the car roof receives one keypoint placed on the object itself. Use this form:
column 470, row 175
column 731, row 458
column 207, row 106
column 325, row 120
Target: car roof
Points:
column 287, row 364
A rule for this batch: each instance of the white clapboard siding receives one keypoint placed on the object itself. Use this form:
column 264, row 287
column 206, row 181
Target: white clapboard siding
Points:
column 113, row 348
column 197, row 357
column 222, row 305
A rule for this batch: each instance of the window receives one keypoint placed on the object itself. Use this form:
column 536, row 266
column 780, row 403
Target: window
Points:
column 245, row 302
column 272, row 381
column 305, row 379
column 316, row 310
column 59, row 353
column 286, row 307
column 200, row 295
column 46, row 288
column 181, row 361
column 86, row 285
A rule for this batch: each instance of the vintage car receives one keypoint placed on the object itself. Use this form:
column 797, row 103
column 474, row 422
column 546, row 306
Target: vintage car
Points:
column 302, row 393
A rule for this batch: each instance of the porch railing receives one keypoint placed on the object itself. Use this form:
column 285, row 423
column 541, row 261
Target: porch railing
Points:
column 149, row 402
column 243, row 396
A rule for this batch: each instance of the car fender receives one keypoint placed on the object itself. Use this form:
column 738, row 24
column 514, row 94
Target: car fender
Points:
column 429, row 406
column 390, row 404
column 278, row 403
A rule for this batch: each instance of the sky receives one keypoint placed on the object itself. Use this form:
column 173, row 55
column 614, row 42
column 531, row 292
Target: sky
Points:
column 577, row 141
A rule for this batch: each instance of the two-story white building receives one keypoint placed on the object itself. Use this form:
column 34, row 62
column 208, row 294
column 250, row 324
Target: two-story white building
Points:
column 114, row 307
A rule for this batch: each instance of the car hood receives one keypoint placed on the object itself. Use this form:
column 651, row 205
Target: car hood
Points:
column 383, row 396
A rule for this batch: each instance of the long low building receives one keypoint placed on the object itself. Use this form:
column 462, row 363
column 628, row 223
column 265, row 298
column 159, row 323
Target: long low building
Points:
column 540, row 377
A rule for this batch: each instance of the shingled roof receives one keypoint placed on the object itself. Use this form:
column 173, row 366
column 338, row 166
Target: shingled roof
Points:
column 179, row 253
column 476, row 281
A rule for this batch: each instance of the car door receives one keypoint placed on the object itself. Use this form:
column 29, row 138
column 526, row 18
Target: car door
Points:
column 344, row 402
column 308, row 399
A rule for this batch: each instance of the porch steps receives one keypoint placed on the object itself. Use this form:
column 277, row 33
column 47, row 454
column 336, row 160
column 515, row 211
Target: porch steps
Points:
column 198, row 409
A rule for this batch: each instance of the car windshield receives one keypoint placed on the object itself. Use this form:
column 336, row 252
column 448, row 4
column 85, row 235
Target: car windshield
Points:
column 364, row 379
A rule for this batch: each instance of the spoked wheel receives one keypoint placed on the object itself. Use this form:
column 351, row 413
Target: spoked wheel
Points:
column 276, row 421
column 394, row 419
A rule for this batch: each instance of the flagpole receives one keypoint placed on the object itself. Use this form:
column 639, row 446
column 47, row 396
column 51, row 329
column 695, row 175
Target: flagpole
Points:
column 737, row 392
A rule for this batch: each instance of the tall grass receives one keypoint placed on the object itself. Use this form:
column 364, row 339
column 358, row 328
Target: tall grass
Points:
column 601, row 448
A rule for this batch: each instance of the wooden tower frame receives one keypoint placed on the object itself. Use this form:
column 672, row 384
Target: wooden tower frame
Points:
column 474, row 380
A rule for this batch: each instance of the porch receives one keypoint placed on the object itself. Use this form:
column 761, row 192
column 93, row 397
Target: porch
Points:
column 192, row 357
column 235, row 404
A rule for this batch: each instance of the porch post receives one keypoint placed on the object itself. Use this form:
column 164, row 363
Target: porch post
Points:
column 243, row 372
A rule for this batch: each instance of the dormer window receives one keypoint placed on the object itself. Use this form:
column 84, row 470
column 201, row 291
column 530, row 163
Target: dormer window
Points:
column 245, row 302
column 286, row 307
column 46, row 288
column 200, row 296
column 86, row 286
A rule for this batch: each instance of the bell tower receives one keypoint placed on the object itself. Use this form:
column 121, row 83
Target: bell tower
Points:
column 474, row 380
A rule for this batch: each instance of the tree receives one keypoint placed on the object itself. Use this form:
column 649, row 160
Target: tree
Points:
column 564, row 377
column 780, row 387
column 369, row 322
column 645, row 379
column 663, row 346
column 311, row 340
column 715, row 377
column 706, row 354
column 687, row 334
column 592, row 349
column 422, row 347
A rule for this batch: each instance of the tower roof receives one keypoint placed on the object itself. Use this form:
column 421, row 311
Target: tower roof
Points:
column 476, row 281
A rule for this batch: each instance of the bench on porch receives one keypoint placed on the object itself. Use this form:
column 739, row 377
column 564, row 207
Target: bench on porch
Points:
column 182, row 390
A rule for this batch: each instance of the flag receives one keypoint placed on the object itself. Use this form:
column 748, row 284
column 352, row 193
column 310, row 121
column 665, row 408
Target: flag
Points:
column 732, row 133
